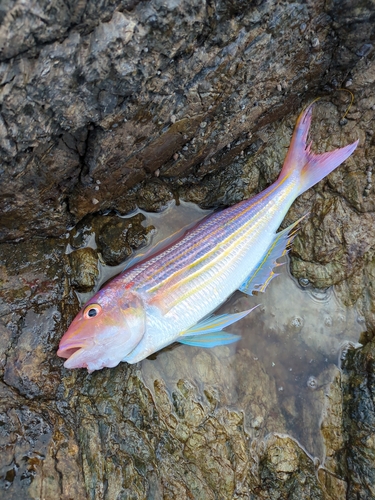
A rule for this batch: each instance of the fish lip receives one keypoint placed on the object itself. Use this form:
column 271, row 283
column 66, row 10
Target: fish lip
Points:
column 77, row 346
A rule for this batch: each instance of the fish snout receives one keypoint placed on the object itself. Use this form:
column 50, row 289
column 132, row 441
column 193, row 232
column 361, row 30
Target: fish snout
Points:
column 67, row 349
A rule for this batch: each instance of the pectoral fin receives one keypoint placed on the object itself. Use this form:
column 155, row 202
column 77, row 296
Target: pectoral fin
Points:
column 208, row 333
column 264, row 272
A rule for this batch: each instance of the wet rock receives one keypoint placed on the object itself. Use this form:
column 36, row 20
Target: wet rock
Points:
column 29, row 367
column 35, row 307
column 110, row 106
column 185, row 424
column 119, row 237
column 225, row 187
column 368, row 294
column 341, row 240
column 286, row 471
column 353, row 30
column 38, row 448
column 114, row 237
column 39, row 451
column 260, row 401
column 153, row 196
column 127, row 170
column 84, row 233
column 104, row 81
column 84, row 269
column 30, row 271
column 359, row 421
column 154, row 426
column 46, row 172
column 334, row 474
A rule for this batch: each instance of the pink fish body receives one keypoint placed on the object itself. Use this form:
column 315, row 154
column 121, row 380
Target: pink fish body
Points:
column 168, row 297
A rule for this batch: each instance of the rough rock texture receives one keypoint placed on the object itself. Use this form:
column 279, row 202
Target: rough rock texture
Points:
column 114, row 92
column 109, row 105
column 359, row 421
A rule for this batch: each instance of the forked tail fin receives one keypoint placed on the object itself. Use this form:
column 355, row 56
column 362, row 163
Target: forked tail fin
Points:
column 312, row 167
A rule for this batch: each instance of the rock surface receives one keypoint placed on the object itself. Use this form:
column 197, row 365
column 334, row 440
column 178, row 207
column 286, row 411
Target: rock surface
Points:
column 106, row 106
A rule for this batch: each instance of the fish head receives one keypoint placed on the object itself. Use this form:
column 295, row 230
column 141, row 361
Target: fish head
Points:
column 106, row 330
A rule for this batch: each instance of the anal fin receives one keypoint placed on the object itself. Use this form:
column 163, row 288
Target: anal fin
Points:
column 209, row 332
column 264, row 272
column 209, row 340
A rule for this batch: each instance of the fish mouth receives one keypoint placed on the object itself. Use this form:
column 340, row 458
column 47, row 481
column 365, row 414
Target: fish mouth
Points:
column 69, row 350
column 79, row 355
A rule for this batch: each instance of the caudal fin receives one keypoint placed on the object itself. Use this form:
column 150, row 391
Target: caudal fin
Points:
column 312, row 167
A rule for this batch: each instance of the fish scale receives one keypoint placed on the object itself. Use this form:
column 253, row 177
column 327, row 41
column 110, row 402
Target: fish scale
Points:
column 211, row 287
column 211, row 232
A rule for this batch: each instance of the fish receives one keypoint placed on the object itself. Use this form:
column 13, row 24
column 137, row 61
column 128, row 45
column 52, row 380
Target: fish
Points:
column 171, row 295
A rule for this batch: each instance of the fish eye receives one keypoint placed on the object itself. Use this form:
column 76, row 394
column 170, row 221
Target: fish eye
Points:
column 91, row 311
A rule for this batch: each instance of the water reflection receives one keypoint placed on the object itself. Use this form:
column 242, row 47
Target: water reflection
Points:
column 279, row 374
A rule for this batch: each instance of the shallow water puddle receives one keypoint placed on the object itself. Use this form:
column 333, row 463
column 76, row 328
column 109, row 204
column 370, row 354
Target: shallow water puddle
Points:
column 279, row 374
column 167, row 223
